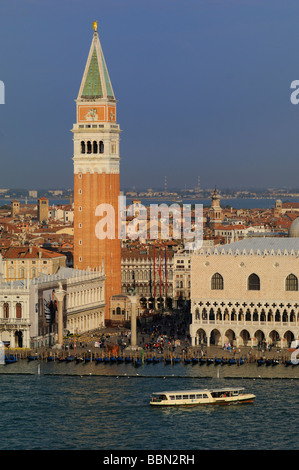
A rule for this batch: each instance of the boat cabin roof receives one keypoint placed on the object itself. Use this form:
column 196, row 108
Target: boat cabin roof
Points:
column 202, row 390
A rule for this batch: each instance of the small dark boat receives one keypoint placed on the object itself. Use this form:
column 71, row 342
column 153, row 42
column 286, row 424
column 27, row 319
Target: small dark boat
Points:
column 168, row 360
column 187, row 361
column 224, row 361
column 128, row 359
column 202, row 361
column 149, row 360
column 106, row 360
column 156, row 360
column 232, row 361
column 217, row 361
column 32, row 358
column 176, row 360
column 241, row 361
column 10, row 359
column 260, row 362
column 71, row 359
column 268, row 362
column 50, row 358
column 98, row 360
column 120, row 359
column 87, row 359
column 137, row 362
column 209, row 361
column 113, row 359
column 275, row 362
column 288, row 363
column 194, row 360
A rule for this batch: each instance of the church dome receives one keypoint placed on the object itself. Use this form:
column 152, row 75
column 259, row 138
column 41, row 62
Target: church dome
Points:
column 294, row 229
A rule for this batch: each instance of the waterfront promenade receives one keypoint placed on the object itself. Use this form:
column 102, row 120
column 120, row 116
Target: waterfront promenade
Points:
column 165, row 339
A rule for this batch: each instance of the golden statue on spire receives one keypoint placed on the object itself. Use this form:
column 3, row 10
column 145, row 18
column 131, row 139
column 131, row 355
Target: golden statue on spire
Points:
column 95, row 26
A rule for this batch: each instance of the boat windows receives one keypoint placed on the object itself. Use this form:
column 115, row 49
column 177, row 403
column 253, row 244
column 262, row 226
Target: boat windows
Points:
column 192, row 397
column 198, row 397
column 205, row 395
column 172, row 397
column 162, row 397
column 178, row 397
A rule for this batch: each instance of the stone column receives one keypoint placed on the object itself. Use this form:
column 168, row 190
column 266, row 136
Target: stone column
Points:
column 133, row 300
column 59, row 294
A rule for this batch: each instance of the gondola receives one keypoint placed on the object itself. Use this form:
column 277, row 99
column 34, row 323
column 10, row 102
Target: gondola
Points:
column 70, row 358
column 32, row 358
column 149, row 360
column 209, row 361
column 168, row 360
column 128, row 360
column 10, row 359
column 224, row 361
column 217, row 361
column 187, row 361
column 137, row 362
column 98, row 360
column 194, row 360
column 176, row 360
column 232, row 361
column 260, row 362
column 120, row 360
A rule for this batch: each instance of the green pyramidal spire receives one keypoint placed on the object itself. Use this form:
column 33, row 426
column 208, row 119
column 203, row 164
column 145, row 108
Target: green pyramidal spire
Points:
column 96, row 82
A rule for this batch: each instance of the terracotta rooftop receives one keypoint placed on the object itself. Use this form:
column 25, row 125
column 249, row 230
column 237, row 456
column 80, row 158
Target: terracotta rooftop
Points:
column 18, row 252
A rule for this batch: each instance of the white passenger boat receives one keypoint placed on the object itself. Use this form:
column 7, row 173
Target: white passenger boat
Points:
column 222, row 396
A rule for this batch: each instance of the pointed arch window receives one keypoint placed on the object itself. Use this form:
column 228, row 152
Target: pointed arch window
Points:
column 254, row 282
column 95, row 146
column 82, row 146
column 291, row 282
column 101, row 146
column 217, row 282
column 88, row 146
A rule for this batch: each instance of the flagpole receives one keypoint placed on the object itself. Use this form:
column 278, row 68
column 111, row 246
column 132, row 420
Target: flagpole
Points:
column 154, row 277
column 165, row 274
column 160, row 274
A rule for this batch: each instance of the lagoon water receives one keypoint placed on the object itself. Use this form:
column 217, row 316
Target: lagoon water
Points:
column 59, row 406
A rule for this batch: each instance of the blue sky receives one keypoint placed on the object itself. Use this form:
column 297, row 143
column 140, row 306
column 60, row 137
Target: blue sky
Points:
column 203, row 88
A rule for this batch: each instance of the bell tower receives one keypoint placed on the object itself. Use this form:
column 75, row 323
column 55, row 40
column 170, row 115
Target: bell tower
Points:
column 96, row 171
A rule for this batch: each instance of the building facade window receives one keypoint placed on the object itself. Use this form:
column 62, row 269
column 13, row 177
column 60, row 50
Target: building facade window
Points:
column 292, row 282
column 5, row 310
column 18, row 310
column 217, row 282
column 254, row 282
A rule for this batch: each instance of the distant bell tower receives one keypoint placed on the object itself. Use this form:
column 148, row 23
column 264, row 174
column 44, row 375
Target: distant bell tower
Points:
column 96, row 171
column 215, row 209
